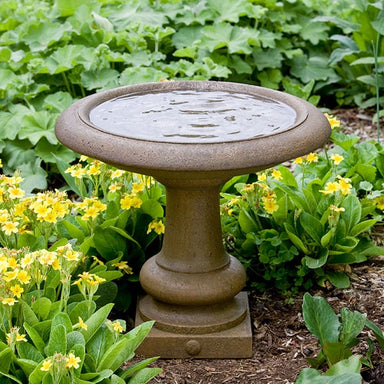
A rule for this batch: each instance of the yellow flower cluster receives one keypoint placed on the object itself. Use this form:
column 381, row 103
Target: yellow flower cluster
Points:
column 156, row 226
column 49, row 206
column 90, row 208
column 309, row 159
column 20, row 269
column 88, row 284
column 260, row 191
column 78, row 171
column 57, row 363
column 333, row 122
column 343, row 185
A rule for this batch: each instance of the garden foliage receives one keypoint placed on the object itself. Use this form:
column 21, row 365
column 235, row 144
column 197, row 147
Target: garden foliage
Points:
column 53, row 52
column 292, row 230
column 336, row 339
column 53, row 329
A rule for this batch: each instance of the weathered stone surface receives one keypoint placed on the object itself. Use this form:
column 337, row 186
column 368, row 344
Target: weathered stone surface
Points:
column 193, row 285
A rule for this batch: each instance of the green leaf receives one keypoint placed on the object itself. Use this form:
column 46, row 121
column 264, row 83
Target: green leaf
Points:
column 73, row 338
column 95, row 321
column 34, row 177
column 27, row 366
column 152, row 208
column 312, row 376
column 38, row 125
column 338, row 279
column 352, row 325
column 124, row 349
column 320, row 319
column 137, row 367
column 96, row 377
column 246, row 222
column 41, row 307
column 64, row 320
column 109, row 242
column 363, row 226
column 312, row 226
column 74, row 231
column 5, row 359
column 295, row 239
column 39, row 35
column 100, row 343
column 28, row 351
column 57, row 341
column 352, row 213
column 351, row 365
column 145, row 375
column 317, row 263
column 335, row 352
column 80, row 310
column 28, row 314
column 35, row 337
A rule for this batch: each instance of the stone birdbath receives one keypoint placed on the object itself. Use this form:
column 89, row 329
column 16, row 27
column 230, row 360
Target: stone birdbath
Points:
column 193, row 136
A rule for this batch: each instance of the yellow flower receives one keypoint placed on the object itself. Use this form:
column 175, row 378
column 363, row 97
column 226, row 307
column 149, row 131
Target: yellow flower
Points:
column 123, row 265
column 9, row 301
column 50, row 217
column 276, row 174
column 10, row 275
column 114, row 187
column 331, row 187
column 137, row 187
column 270, row 205
column 17, row 290
column 129, row 201
column 23, row 277
column 298, row 160
column 337, row 159
column 81, row 324
column 56, row 265
column 16, row 193
column 157, row 226
column 312, row 158
column 334, row 208
column 26, row 260
column 47, row 364
column 94, row 169
column 10, row 227
column 116, row 174
column 379, row 202
column 21, row 337
column 262, row 176
column 91, row 212
column 333, row 122
column 345, row 186
column 72, row 361
column 117, row 326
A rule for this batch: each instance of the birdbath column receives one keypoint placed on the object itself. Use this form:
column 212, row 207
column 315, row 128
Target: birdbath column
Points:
column 193, row 284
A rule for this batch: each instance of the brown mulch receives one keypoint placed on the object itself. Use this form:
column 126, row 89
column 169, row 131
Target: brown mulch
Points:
column 281, row 342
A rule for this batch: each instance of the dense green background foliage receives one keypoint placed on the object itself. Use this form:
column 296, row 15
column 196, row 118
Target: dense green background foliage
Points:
column 55, row 51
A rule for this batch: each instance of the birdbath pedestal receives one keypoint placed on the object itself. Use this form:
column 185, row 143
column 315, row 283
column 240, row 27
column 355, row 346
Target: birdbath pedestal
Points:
column 192, row 137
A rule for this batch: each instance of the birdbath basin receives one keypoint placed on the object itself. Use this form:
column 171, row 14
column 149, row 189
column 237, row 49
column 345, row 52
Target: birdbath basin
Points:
column 192, row 136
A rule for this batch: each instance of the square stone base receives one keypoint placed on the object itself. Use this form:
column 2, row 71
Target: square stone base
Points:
column 235, row 342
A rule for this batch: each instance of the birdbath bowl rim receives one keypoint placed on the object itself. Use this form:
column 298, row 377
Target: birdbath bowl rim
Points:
column 214, row 159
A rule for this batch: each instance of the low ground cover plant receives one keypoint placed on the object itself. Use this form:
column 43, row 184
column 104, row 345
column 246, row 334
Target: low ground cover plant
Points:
column 295, row 229
column 53, row 329
column 336, row 340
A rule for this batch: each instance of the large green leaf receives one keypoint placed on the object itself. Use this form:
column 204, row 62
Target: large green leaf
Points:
column 352, row 212
column 57, row 341
column 312, row 226
column 320, row 319
column 95, row 321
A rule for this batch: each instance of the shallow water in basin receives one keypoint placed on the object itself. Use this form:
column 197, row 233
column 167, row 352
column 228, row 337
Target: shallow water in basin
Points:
column 193, row 116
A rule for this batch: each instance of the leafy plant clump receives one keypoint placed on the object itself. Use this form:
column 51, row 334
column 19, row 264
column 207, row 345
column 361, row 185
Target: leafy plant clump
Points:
column 119, row 217
column 336, row 340
column 53, row 328
column 293, row 230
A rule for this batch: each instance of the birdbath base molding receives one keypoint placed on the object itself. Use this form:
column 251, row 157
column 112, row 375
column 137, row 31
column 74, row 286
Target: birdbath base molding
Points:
column 228, row 343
